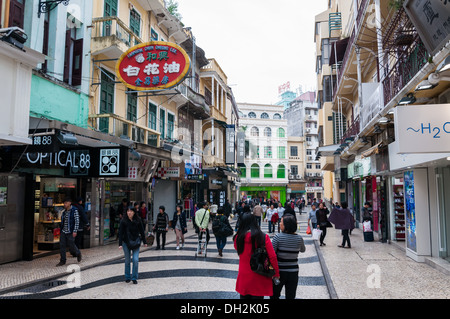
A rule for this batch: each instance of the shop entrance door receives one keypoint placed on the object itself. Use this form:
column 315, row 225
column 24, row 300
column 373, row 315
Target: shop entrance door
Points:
column 443, row 194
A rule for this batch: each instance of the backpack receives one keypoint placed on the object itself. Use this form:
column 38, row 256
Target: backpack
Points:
column 220, row 228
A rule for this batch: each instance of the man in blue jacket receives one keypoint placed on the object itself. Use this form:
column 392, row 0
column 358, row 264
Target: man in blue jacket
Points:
column 70, row 222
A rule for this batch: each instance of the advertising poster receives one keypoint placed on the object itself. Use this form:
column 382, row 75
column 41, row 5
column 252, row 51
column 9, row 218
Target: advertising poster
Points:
column 410, row 211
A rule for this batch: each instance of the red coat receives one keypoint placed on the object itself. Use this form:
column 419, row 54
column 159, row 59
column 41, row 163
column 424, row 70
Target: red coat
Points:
column 248, row 282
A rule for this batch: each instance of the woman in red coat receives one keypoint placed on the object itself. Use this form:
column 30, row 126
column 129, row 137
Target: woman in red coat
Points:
column 249, row 284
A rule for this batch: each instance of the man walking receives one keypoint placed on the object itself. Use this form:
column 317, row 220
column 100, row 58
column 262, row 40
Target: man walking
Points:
column 70, row 222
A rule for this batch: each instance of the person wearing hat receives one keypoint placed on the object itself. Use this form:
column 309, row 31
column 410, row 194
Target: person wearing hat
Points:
column 70, row 222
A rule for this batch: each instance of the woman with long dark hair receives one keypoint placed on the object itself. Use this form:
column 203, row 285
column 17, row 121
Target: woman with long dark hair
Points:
column 249, row 237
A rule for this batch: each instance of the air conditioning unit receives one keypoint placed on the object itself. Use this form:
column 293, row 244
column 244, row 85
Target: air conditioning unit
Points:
column 291, row 176
column 310, row 158
column 308, row 130
column 298, row 176
column 309, row 143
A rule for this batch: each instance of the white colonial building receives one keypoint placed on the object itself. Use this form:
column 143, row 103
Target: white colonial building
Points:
column 265, row 172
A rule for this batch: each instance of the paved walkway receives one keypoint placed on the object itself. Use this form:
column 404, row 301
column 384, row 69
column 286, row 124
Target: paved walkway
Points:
column 369, row 270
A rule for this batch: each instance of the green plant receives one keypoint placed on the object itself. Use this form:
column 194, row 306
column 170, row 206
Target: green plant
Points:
column 172, row 7
column 396, row 4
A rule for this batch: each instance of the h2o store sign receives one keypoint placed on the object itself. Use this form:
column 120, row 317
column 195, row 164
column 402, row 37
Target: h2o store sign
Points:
column 423, row 128
column 153, row 65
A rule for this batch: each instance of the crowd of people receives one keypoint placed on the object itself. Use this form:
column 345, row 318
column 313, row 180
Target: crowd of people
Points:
column 281, row 250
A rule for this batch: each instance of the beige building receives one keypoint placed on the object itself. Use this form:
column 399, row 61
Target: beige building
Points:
column 296, row 167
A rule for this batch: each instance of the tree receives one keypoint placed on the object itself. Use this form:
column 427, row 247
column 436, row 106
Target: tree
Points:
column 172, row 7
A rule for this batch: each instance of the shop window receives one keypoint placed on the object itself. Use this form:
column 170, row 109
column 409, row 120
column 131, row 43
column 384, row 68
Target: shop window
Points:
column 254, row 171
column 268, row 171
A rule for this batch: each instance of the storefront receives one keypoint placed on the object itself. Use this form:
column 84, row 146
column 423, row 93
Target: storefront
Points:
column 277, row 193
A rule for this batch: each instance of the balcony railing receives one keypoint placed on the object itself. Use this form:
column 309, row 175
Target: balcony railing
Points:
column 353, row 130
column 115, row 125
column 407, row 55
column 113, row 26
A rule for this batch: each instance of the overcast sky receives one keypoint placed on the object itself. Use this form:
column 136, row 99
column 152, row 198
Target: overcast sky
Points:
column 260, row 44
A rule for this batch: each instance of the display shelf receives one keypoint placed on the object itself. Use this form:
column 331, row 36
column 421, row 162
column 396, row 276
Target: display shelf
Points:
column 399, row 212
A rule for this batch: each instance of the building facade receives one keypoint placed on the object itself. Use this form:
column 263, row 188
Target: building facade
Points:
column 265, row 171
column 391, row 61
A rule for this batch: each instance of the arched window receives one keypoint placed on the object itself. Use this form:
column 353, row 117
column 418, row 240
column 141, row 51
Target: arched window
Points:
column 264, row 115
column 281, row 132
column 268, row 131
column 254, row 171
column 243, row 171
column 268, row 171
column 254, row 131
column 252, row 115
column 277, row 116
column 281, row 171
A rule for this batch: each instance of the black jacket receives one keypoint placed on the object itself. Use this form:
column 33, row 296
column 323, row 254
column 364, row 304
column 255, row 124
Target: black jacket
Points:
column 183, row 222
column 130, row 230
column 321, row 215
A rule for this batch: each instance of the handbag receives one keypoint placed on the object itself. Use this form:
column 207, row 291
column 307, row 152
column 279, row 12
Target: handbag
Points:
column 149, row 239
column 260, row 263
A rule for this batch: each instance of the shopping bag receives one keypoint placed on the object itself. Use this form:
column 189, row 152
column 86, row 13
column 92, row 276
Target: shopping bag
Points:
column 308, row 230
column 367, row 227
column 149, row 239
column 316, row 234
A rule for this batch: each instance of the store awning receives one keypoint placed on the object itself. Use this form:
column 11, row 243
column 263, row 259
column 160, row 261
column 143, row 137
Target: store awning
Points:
column 373, row 150
column 338, row 50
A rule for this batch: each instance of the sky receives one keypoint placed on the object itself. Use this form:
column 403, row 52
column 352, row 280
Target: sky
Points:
column 259, row 44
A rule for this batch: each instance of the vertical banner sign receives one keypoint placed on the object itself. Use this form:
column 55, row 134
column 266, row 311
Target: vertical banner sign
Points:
column 240, row 140
column 230, row 144
column 151, row 66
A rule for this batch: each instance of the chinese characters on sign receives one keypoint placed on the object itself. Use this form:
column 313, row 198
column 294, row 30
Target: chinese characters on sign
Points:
column 154, row 65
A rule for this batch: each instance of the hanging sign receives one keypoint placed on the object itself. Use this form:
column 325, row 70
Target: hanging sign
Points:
column 151, row 66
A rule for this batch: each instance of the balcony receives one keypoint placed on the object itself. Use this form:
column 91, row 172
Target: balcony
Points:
column 117, row 126
column 112, row 37
column 352, row 131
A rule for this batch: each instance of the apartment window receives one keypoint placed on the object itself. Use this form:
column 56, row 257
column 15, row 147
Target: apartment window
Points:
column 281, row 150
column 294, row 151
column 107, row 88
column 268, row 171
column 309, row 166
column 254, row 171
column 152, row 116
column 281, row 132
column 328, row 85
column 326, row 49
column 254, row 131
column 243, row 171
column 317, row 166
column 135, row 22
column 252, row 115
column 308, row 139
column 73, row 58
column 281, row 171
column 16, row 13
column 308, row 152
column 268, row 132
column 264, row 115
column 267, row 151
column 153, row 35
column 294, row 169
column 162, row 121
column 170, row 125
column 277, row 116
